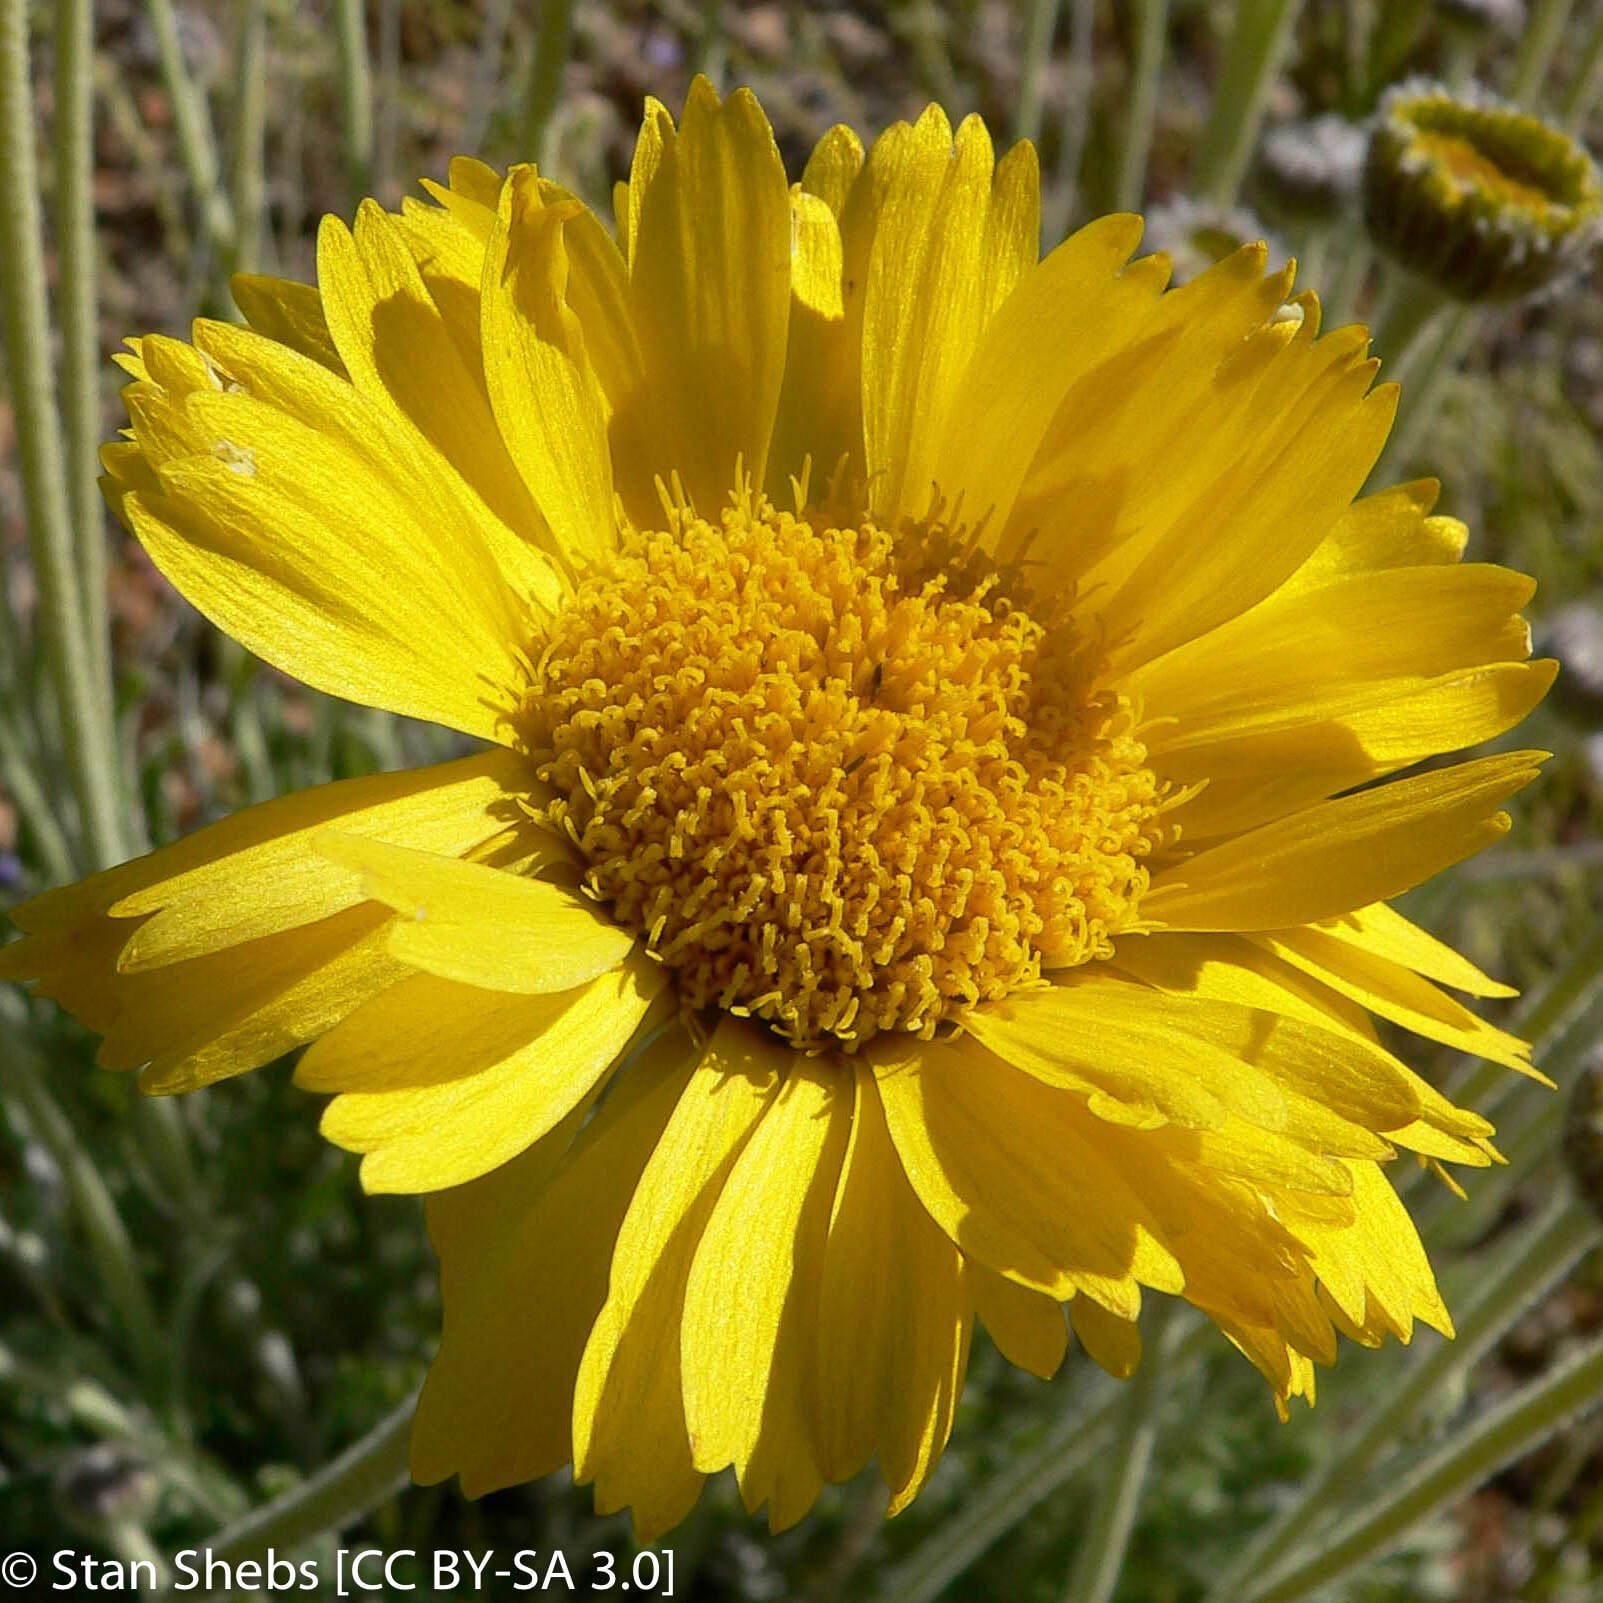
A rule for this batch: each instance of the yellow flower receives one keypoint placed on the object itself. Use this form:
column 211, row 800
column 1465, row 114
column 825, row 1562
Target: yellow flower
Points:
column 925, row 864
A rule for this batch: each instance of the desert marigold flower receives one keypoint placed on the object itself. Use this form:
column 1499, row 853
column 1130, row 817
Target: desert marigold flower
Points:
column 1482, row 199
column 931, row 853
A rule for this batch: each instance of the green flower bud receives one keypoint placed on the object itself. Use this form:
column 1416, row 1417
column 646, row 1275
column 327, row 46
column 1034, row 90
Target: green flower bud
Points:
column 1484, row 200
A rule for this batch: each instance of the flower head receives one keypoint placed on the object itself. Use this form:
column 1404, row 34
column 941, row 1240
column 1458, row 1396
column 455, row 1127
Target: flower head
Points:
column 930, row 853
column 1484, row 200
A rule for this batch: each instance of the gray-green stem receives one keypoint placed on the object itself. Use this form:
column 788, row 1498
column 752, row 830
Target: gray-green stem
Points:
column 1575, row 110
column 197, row 149
column 109, row 1243
column 1528, row 1266
column 1146, row 72
column 1539, row 43
column 356, row 99
column 1099, row 1559
column 1030, row 1477
column 250, row 126
column 1040, row 25
column 552, row 41
column 1259, row 38
column 80, row 344
column 87, row 731
column 1466, row 1460
column 366, row 1474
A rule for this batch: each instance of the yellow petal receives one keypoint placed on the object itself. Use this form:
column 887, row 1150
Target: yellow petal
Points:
column 1029, row 1330
column 311, row 559
column 1395, row 992
column 1342, row 854
column 1192, row 1061
column 765, row 1237
column 220, row 952
column 926, row 300
column 1119, row 461
column 710, row 293
column 1014, row 1171
column 546, row 398
column 1389, row 529
column 1341, row 738
column 1067, row 315
column 478, row 925
column 442, row 1082
column 1311, row 431
column 288, row 312
column 402, row 358
column 192, row 1024
column 1375, row 1268
column 892, row 1323
column 524, row 1257
column 447, row 514
column 629, row 1432
column 1382, row 931
column 1298, row 658
column 259, row 871
column 1113, row 1342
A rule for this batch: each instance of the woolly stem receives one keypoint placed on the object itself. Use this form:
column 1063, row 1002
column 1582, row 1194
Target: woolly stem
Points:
column 553, row 40
column 1145, row 75
column 1538, row 44
column 1259, row 38
column 80, row 345
column 356, row 100
column 1099, row 1559
column 1039, row 28
column 87, row 731
column 1501, row 1435
column 366, row 1474
column 1499, row 1296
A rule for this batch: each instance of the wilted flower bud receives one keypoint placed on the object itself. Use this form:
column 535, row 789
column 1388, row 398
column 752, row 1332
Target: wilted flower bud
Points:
column 1484, row 200
column 1313, row 168
column 104, row 1486
column 1195, row 234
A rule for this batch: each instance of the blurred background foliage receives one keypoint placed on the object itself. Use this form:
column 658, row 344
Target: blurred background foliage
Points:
column 198, row 1307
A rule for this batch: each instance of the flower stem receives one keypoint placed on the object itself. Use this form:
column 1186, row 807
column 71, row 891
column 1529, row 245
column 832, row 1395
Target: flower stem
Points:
column 80, row 345
column 1029, row 1477
column 1529, row 1265
column 1501, row 1435
column 1582, row 95
column 1100, row 1556
column 109, row 1243
column 32, row 801
column 356, row 100
column 87, row 729
column 1349, row 270
column 192, row 124
column 1039, row 28
column 1538, row 44
column 1145, row 74
column 711, row 43
column 248, row 183
column 1259, row 38
column 366, row 1474
column 552, row 41
column 1062, row 199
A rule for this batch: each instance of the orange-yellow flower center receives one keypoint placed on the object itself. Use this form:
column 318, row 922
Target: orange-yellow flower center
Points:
column 836, row 785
